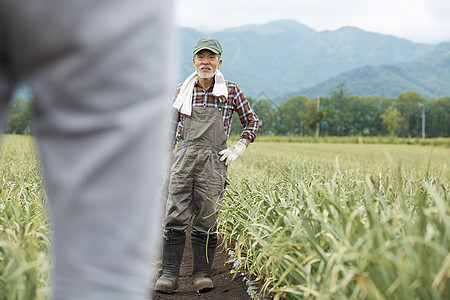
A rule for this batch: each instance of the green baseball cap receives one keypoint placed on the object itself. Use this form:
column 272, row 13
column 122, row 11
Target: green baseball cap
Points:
column 209, row 44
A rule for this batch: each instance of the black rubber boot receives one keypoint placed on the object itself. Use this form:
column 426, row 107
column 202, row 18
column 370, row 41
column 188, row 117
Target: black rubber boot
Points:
column 173, row 247
column 203, row 249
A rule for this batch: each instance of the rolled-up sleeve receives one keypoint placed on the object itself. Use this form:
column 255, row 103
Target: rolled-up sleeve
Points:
column 247, row 116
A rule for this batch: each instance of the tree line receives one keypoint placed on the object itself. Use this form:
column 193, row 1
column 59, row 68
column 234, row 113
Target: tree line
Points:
column 340, row 114
column 344, row 114
column 19, row 116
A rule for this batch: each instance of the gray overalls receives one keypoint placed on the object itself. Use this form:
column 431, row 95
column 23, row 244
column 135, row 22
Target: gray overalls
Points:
column 198, row 177
column 197, row 182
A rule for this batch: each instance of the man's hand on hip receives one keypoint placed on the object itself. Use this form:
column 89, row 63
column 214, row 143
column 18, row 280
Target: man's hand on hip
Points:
column 232, row 153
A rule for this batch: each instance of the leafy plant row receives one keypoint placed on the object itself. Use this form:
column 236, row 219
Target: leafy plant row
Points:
column 322, row 231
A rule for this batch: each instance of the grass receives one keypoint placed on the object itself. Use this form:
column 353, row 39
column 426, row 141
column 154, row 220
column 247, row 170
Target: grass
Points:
column 310, row 220
column 24, row 225
column 339, row 221
column 445, row 142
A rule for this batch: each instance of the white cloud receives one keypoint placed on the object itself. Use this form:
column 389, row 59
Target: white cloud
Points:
column 424, row 21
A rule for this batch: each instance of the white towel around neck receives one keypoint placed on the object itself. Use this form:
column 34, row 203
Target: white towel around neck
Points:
column 183, row 103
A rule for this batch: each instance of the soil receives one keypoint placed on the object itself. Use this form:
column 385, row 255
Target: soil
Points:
column 225, row 287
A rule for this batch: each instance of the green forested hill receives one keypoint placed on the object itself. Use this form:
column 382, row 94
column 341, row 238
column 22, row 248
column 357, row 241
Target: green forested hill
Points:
column 429, row 76
column 285, row 57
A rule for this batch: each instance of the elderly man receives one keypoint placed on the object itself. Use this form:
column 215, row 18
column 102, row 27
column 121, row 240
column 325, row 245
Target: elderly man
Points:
column 203, row 110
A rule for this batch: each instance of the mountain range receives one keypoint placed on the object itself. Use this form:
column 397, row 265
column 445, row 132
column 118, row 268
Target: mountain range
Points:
column 285, row 58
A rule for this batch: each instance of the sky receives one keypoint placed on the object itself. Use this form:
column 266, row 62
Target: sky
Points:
column 420, row 21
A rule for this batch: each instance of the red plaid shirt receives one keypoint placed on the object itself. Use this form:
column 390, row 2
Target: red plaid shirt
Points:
column 236, row 102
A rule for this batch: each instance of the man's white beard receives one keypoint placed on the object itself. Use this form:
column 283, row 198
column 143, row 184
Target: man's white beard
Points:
column 208, row 76
column 205, row 76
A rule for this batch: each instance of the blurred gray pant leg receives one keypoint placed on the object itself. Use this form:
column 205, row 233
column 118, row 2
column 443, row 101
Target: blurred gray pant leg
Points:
column 6, row 81
column 100, row 73
column 5, row 93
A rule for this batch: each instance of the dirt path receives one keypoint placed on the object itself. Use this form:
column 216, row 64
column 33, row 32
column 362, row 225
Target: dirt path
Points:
column 225, row 288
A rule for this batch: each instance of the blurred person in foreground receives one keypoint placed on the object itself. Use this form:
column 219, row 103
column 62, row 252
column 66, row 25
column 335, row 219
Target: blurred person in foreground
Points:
column 99, row 72
column 203, row 109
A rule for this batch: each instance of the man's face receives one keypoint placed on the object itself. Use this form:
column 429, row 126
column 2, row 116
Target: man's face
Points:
column 206, row 63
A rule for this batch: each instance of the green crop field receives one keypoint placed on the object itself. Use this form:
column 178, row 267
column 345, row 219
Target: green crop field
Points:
column 342, row 221
column 309, row 220
column 24, row 224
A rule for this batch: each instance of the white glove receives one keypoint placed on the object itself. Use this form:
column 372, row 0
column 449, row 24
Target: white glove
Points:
column 231, row 153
